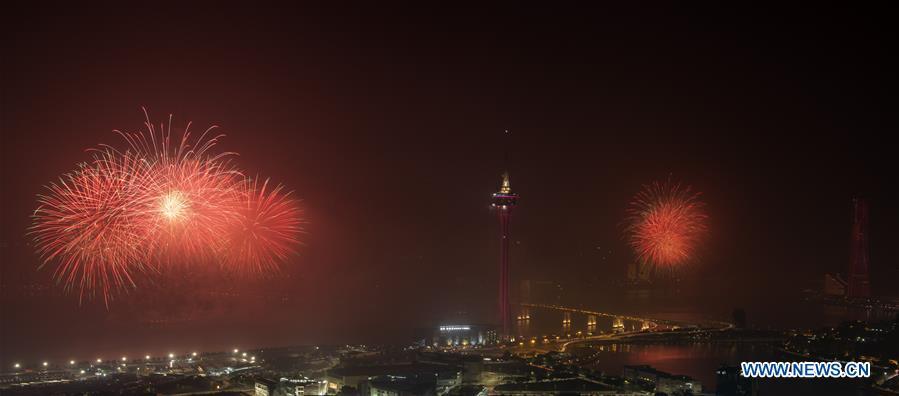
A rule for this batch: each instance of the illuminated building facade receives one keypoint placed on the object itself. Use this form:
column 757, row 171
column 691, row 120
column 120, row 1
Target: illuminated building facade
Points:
column 463, row 335
column 265, row 387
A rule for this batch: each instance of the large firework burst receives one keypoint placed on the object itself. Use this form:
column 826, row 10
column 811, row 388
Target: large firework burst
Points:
column 191, row 200
column 665, row 223
column 160, row 201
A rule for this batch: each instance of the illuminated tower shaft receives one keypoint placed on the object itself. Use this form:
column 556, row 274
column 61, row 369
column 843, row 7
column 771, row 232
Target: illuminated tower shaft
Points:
column 503, row 201
column 504, row 304
column 858, row 285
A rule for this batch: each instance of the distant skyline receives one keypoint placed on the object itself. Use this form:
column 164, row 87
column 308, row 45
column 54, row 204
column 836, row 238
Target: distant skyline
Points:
column 391, row 130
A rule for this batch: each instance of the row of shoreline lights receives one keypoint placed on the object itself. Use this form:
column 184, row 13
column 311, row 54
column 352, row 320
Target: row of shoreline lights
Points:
column 125, row 359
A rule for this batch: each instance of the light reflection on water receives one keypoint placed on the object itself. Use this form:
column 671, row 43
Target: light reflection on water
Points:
column 700, row 360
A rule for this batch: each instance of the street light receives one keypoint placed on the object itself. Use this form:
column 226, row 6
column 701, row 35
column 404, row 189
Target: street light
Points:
column 124, row 359
column 171, row 355
column 99, row 360
column 147, row 357
column 16, row 365
column 45, row 364
column 235, row 350
column 72, row 362
column 193, row 354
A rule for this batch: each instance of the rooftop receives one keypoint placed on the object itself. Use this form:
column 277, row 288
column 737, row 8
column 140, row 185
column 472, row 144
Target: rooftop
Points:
column 566, row 385
column 658, row 373
column 412, row 386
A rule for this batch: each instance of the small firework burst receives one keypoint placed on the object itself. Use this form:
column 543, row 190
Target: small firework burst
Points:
column 665, row 224
column 266, row 230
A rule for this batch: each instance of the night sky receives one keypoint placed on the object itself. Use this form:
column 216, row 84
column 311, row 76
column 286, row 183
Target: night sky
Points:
column 389, row 123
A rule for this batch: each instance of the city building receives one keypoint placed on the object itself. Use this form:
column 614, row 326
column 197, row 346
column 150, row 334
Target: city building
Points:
column 265, row 387
column 441, row 376
column 664, row 382
column 472, row 365
column 417, row 383
column 390, row 385
column 306, row 386
column 468, row 390
column 28, row 376
column 731, row 383
column 571, row 386
column 453, row 335
column 507, row 371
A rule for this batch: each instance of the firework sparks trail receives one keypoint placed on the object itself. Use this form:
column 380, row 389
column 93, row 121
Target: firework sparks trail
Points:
column 90, row 223
column 665, row 224
column 157, row 203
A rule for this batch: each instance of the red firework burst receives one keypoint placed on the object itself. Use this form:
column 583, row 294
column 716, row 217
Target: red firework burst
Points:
column 158, row 202
column 266, row 230
column 666, row 222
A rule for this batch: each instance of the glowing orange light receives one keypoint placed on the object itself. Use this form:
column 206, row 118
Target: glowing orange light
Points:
column 173, row 206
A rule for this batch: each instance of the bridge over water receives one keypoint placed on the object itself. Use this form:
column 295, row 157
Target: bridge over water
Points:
column 623, row 326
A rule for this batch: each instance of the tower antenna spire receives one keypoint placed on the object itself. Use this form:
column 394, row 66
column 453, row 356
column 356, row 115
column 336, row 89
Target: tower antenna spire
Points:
column 506, row 143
